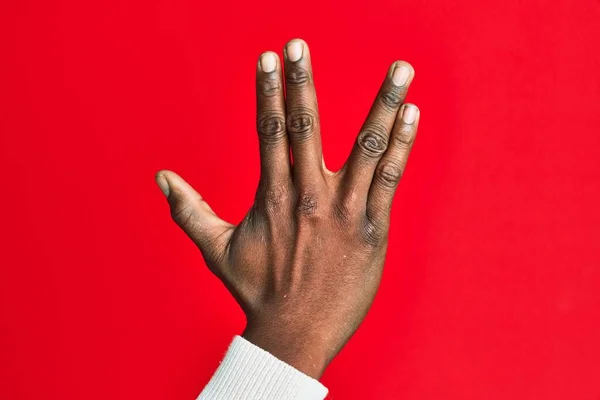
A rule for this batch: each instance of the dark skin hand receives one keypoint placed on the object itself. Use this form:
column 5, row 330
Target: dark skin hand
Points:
column 306, row 261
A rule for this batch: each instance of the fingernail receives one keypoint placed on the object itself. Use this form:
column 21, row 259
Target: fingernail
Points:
column 163, row 184
column 268, row 62
column 409, row 113
column 294, row 50
column 400, row 75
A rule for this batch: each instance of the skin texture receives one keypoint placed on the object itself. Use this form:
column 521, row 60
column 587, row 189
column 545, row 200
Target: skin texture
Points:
column 306, row 261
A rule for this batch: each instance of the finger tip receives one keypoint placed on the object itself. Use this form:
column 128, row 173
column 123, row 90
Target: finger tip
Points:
column 268, row 61
column 406, row 64
column 269, row 52
column 164, row 174
column 163, row 182
column 295, row 50
column 401, row 73
column 296, row 39
column 409, row 113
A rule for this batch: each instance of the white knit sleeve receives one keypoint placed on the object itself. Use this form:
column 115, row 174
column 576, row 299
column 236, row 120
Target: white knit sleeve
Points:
column 250, row 373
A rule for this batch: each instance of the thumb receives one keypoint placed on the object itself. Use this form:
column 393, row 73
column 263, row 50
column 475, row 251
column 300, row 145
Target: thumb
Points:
column 210, row 233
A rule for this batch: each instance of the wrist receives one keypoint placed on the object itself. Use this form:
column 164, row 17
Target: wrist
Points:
column 295, row 348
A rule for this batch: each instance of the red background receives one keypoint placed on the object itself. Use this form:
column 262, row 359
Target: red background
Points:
column 492, row 284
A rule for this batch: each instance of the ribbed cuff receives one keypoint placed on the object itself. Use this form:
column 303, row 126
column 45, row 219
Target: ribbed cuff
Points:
column 250, row 373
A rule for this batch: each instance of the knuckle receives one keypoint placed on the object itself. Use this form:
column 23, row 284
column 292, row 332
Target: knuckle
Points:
column 301, row 123
column 373, row 234
column 297, row 76
column 184, row 214
column 388, row 174
column 391, row 97
column 269, row 87
column 373, row 140
column 274, row 198
column 271, row 127
column 307, row 205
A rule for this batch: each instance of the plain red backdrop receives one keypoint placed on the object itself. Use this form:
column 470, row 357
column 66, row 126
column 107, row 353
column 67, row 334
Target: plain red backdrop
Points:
column 492, row 282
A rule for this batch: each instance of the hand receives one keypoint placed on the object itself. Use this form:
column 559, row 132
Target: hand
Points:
column 306, row 261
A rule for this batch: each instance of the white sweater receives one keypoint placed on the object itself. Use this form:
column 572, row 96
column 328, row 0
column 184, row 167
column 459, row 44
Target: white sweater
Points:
column 250, row 373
